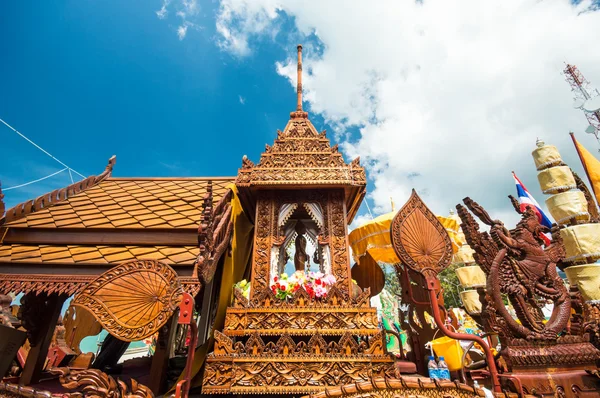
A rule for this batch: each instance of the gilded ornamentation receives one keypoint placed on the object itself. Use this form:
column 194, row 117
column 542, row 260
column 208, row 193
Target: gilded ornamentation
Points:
column 133, row 300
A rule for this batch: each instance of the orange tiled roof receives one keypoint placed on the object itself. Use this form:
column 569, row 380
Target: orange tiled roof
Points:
column 79, row 254
column 132, row 206
column 129, row 203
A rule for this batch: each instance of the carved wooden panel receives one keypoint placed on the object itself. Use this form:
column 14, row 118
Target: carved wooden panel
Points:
column 419, row 239
column 289, row 367
column 79, row 324
column 133, row 300
column 265, row 220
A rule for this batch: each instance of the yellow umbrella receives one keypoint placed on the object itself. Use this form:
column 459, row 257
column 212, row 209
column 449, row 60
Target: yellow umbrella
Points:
column 374, row 237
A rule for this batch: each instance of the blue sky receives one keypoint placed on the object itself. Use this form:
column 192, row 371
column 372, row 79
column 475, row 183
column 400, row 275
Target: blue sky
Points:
column 447, row 97
column 86, row 80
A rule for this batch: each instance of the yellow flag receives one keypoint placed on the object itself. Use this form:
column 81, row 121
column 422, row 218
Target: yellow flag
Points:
column 591, row 165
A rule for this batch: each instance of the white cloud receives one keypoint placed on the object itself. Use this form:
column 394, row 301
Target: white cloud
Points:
column 449, row 96
column 182, row 31
column 190, row 7
column 187, row 10
column 242, row 100
column 163, row 12
column 239, row 20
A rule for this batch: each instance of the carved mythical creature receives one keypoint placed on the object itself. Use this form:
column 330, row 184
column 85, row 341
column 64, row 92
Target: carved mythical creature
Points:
column 519, row 267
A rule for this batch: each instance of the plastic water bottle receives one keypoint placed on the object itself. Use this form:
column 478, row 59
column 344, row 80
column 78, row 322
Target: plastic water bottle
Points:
column 432, row 367
column 443, row 371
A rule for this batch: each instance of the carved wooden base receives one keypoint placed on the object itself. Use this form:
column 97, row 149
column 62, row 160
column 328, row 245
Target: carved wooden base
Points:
column 547, row 369
column 564, row 383
column 421, row 387
column 300, row 346
column 591, row 314
column 575, row 352
column 289, row 375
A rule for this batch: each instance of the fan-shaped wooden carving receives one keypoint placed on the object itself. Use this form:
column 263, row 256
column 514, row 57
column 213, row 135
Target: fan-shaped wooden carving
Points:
column 133, row 300
column 419, row 239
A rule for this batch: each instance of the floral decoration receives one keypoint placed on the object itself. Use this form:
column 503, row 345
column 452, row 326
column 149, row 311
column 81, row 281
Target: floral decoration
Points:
column 316, row 284
column 244, row 287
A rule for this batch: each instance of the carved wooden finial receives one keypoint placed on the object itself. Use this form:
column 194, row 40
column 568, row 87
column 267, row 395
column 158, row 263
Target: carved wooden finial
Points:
column 299, row 86
column 111, row 164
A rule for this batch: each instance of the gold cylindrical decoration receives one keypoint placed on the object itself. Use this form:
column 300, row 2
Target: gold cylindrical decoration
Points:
column 546, row 156
column 567, row 205
column 581, row 242
column 587, row 279
column 470, row 300
column 471, row 276
column 464, row 255
column 556, row 180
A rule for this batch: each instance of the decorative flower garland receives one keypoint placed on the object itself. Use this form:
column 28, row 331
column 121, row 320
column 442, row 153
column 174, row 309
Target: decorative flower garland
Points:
column 316, row 284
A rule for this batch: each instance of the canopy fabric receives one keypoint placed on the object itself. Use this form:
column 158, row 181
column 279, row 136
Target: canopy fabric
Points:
column 374, row 237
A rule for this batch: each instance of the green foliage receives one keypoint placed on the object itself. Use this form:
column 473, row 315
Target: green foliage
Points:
column 450, row 286
column 392, row 284
column 448, row 280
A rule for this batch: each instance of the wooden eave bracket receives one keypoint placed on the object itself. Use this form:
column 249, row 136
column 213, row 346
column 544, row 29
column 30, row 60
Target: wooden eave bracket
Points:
column 54, row 197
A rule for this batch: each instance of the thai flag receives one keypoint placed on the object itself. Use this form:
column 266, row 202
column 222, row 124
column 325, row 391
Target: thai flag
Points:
column 526, row 200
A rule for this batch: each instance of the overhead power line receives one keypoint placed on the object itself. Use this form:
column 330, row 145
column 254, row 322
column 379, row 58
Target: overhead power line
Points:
column 43, row 150
column 34, row 181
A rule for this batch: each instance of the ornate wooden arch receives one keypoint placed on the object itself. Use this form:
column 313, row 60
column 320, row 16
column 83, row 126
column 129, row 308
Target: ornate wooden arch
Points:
column 133, row 300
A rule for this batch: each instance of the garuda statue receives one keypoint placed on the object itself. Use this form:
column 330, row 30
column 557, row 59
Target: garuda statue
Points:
column 519, row 269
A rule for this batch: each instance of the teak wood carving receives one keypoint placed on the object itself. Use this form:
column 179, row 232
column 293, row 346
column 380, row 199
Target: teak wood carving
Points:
column 89, row 383
column 548, row 359
column 402, row 387
column 133, row 300
column 300, row 344
column 214, row 234
column 419, row 239
column 519, row 267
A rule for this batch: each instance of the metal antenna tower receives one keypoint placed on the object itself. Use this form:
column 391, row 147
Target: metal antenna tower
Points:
column 586, row 98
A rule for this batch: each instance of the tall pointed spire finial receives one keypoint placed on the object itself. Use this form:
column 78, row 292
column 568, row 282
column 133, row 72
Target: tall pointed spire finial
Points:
column 299, row 88
column 299, row 113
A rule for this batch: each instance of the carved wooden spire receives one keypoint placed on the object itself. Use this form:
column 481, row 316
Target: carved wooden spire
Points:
column 299, row 113
column 299, row 88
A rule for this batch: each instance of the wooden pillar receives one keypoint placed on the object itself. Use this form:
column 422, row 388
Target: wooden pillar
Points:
column 160, row 359
column 39, row 314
